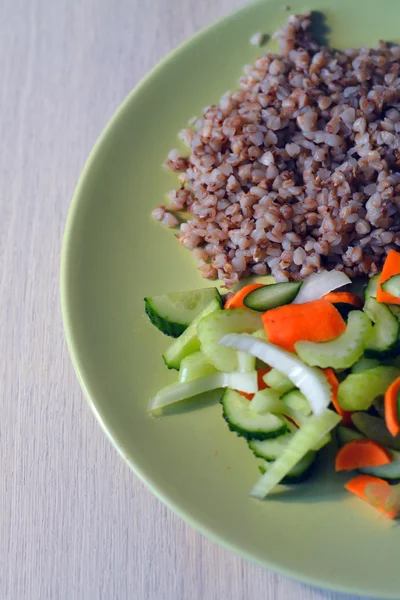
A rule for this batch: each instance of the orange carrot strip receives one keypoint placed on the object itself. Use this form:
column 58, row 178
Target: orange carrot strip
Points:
column 358, row 487
column 391, row 267
column 359, row 454
column 392, row 407
column 260, row 374
column 316, row 321
column 247, row 396
column 236, row 301
column 344, row 297
column 334, row 385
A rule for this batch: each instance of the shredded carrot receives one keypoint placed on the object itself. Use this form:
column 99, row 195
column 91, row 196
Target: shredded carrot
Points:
column 359, row 454
column 236, row 301
column 392, row 406
column 316, row 321
column 362, row 485
column 345, row 298
column 391, row 267
column 260, row 374
column 334, row 385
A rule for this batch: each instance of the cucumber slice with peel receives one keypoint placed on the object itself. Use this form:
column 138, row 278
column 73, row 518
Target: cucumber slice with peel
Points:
column 172, row 313
column 268, row 400
column 271, row 449
column 312, row 382
column 213, row 327
column 359, row 390
column 392, row 286
column 249, row 423
column 272, row 296
column 188, row 342
column 385, row 333
column 302, row 442
column 342, row 352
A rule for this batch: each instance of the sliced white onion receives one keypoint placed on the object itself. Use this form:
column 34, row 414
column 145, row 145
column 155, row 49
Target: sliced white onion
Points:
column 243, row 382
column 310, row 380
column 318, row 284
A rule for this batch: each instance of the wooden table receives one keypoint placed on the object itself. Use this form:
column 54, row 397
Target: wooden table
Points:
column 75, row 523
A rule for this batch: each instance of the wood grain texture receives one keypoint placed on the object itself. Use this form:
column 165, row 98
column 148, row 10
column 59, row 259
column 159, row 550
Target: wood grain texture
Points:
column 75, row 523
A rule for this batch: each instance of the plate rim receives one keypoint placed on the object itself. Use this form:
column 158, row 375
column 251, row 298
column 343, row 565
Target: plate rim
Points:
column 72, row 344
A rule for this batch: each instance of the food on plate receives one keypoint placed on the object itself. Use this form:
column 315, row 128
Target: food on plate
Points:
column 286, row 387
column 296, row 171
column 295, row 174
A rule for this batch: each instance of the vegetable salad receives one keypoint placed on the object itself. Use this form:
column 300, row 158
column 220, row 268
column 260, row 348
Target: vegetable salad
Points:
column 295, row 362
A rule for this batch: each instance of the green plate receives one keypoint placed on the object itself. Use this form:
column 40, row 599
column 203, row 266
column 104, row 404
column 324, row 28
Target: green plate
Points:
column 114, row 255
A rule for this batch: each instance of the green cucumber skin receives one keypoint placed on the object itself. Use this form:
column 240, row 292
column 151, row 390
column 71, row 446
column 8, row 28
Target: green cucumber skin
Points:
column 254, row 435
column 251, row 435
column 374, row 309
column 171, row 329
column 278, row 293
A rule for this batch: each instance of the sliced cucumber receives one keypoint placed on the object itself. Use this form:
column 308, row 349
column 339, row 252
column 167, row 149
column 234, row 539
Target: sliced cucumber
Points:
column 173, row 313
column 301, row 443
column 269, row 400
column 269, row 450
column 374, row 428
column 344, row 435
column 359, row 390
column 271, row 296
column 342, row 352
column 312, row 382
column 297, row 401
column 248, row 423
column 389, row 471
column 371, row 288
column 385, row 333
column 194, row 366
column 364, row 364
column 188, row 342
column 212, row 328
column 278, row 381
column 392, row 286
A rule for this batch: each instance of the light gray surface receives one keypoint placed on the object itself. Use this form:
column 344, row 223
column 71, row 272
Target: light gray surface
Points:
column 75, row 523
